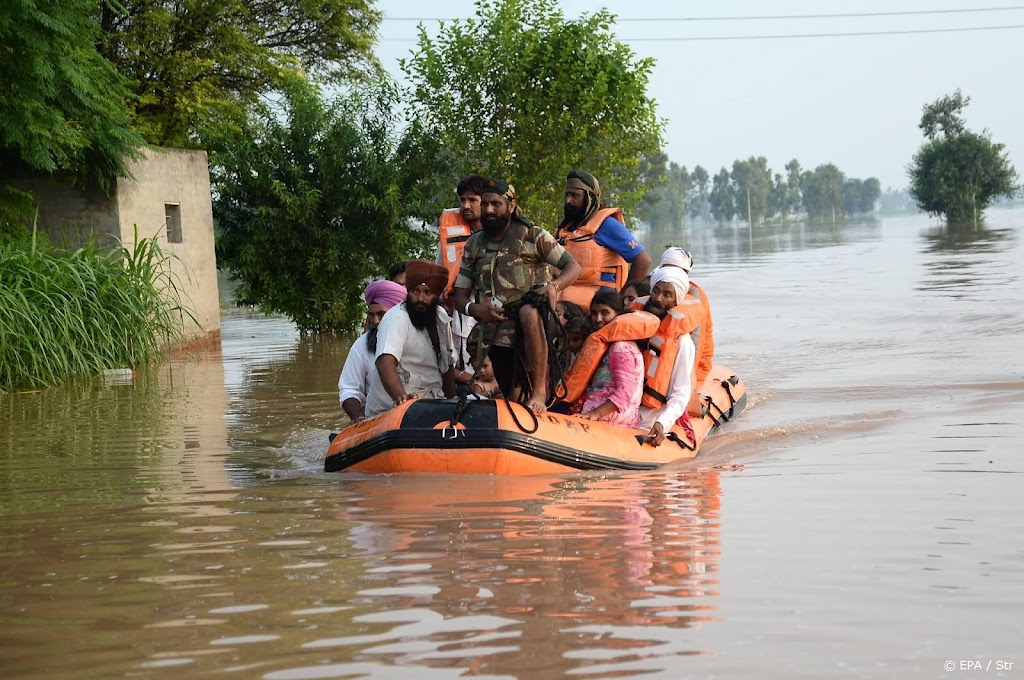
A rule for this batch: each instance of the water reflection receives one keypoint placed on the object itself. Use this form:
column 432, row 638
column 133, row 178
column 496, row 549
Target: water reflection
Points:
column 508, row 575
column 738, row 243
column 967, row 237
column 966, row 260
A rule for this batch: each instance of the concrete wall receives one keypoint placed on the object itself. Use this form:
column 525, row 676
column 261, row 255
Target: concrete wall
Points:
column 165, row 176
column 181, row 177
column 67, row 214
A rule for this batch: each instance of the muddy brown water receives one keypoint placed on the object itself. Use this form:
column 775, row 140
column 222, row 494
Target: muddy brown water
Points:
column 862, row 518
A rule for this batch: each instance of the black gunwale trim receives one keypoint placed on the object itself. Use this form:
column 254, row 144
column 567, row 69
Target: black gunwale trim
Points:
column 496, row 439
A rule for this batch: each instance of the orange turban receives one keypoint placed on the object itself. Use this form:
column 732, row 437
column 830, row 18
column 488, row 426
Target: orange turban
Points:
column 419, row 272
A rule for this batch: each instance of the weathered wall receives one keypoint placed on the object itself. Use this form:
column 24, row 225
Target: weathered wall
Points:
column 68, row 214
column 182, row 177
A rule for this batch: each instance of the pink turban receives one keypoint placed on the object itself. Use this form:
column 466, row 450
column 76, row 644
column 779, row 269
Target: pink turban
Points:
column 384, row 292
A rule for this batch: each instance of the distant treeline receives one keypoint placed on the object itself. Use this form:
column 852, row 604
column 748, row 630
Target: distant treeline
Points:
column 753, row 191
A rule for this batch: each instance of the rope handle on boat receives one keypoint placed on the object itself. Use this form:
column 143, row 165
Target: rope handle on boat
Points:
column 671, row 436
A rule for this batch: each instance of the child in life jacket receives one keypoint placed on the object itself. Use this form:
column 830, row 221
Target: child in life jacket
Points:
column 616, row 387
column 484, row 383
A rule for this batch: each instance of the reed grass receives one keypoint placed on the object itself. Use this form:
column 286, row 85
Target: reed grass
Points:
column 67, row 315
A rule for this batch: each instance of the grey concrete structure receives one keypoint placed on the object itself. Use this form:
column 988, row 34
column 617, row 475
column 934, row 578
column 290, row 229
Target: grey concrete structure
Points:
column 168, row 196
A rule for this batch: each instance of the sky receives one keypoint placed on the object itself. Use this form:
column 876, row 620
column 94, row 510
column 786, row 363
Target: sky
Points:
column 851, row 100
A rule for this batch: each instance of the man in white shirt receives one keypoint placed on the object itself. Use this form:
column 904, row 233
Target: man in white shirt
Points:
column 668, row 288
column 354, row 382
column 414, row 348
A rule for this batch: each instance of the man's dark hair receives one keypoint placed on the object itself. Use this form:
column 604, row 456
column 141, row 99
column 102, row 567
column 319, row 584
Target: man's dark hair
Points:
column 396, row 269
column 474, row 184
column 642, row 288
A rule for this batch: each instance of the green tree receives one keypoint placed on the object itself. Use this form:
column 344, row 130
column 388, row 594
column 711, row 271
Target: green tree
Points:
column 315, row 197
column 196, row 62
column 794, row 199
column 870, row 191
column 697, row 201
column 822, row 192
column 752, row 184
column 957, row 173
column 778, row 198
column 852, row 189
column 721, row 200
column 521, row 92
column 62, row 105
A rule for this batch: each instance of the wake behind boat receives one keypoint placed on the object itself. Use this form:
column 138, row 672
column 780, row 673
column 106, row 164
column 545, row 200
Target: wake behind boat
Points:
column 504, row 438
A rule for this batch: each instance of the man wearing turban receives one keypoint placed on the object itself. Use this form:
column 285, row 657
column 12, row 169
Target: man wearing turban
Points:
column 414, row 350
column 508, row 259
column 598, row 239
column 354, row 383
column 669, row 285
column 703, row 335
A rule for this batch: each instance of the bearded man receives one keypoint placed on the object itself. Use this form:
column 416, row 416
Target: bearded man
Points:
column 354, row 382
column 414, row 348
column 668, row 387
column 597, row 238
column 507, row 259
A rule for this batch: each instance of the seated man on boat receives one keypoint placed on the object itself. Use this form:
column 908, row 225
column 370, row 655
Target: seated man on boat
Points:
column 670, row 355
column 354, row 382
column 454, row 227
column 414, row 349
column 596, row 236
column 702, row 335
column 505, row 274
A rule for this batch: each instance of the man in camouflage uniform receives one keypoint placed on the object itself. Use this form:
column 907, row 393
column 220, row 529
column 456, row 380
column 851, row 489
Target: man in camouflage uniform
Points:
column 508, row 258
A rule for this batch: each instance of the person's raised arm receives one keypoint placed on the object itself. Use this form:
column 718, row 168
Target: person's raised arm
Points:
column 639, row 267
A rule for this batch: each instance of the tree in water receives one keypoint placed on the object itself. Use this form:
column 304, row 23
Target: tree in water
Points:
column 523, row 93
column 957, row 173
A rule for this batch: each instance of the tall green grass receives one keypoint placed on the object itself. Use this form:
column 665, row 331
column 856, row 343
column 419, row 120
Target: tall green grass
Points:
column 65, row 315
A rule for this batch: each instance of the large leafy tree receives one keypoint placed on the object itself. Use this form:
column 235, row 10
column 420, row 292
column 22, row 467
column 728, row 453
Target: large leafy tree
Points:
column 822, row 192
column 752, row 185
column 62, row 105
column 697, row 200
column 957, row 173
column 524, row 93
column 722, row 199
column 196, row 62
column 314, row 197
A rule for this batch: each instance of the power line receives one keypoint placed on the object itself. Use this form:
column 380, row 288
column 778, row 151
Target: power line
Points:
column 769, row 17
column 792, row 35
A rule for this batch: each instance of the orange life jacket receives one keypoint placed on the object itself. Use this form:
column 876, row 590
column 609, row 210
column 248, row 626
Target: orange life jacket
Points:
column 663, row 348
column 632, row 326
column 452, row 233
column 593, row 258
column 703, row 336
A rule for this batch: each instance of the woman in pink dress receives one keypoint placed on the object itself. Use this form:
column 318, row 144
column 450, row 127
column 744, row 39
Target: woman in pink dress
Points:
column 617, row 385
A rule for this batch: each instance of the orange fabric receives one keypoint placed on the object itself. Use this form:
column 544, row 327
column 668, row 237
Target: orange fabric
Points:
column 452, row 232
column 663, row 348
column 705, row 341
column 633, row 326
column 593, row 258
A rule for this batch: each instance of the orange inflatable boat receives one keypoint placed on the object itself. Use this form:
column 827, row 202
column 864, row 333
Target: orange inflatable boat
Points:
column 504, row 438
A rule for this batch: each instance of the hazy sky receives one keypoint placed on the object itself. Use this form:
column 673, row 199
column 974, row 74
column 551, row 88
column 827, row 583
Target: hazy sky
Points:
column 854, row 101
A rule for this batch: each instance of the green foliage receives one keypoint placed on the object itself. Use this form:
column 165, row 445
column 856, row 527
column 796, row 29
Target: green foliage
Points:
column 64, row 316
column 722, row 199
column 62, row 105
column 822, row 192
column 197, row 63
column 665, row 203
column 697, row 200
column 313, row 198
column 957, row 173
column 752, row 184
column 522, row 93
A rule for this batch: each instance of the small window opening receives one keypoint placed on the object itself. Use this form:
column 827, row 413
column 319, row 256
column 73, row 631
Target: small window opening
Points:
column 172, row 216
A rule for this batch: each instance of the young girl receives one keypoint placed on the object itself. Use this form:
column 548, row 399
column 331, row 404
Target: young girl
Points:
column 634, row 290
column 617, row 386
column 484, row 383
column 568, row 310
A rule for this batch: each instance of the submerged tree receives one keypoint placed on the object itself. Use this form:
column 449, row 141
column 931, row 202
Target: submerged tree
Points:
column 315, row 197
column 523, row 93
column 957, row 173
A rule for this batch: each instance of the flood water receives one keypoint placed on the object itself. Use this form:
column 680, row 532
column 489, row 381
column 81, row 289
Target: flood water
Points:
column 863, row 518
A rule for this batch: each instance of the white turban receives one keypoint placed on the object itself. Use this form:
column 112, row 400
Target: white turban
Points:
column 674, row 276
column 677, row 257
